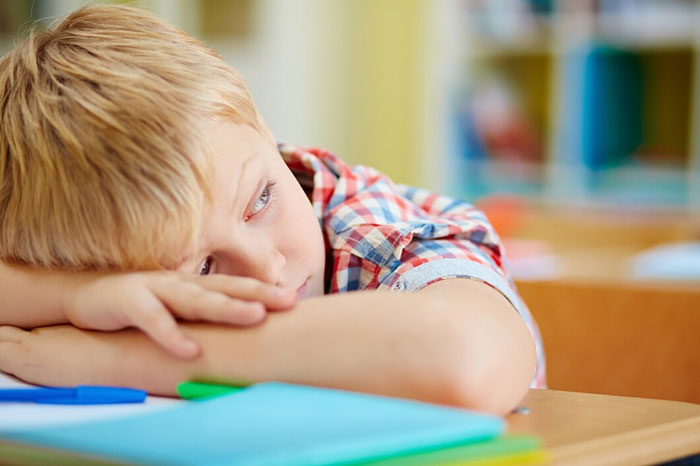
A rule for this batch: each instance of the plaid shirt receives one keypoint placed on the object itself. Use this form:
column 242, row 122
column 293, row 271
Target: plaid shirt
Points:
column 383, row 236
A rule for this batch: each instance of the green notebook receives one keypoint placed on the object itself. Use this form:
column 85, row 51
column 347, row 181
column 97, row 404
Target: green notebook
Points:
column 502, row 448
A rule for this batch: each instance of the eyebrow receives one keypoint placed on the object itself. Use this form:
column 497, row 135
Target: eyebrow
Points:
column 237, row 194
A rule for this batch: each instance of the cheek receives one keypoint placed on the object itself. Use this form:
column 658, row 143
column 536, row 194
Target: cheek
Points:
column 300, row 227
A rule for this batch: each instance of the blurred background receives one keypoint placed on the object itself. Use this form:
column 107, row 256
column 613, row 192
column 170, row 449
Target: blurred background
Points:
column 574, row 124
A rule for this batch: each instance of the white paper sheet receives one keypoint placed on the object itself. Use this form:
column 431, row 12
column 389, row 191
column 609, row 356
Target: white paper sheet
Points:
column 14, row 415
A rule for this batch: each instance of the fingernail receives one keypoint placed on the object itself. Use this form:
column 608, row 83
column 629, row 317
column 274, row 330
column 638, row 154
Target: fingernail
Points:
column 284, row 292
column 256, row 312
column 256, row 307
column 190, row 347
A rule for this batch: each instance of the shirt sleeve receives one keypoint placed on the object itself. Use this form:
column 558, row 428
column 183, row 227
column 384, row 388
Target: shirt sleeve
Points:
column 394, row 237
column 427, row 261
column 415, row 275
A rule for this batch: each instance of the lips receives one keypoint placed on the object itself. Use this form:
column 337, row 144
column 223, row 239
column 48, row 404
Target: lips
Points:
column 301, row 291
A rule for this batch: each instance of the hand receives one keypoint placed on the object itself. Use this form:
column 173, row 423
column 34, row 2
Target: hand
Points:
column 58, row 355
column 64, row 355
column 150, row 301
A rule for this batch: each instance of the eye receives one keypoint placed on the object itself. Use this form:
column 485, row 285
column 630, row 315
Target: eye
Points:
column 263, row 200
column 206, row 267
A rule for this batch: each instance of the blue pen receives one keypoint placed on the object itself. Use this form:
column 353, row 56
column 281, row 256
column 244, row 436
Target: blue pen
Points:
column 80, row 395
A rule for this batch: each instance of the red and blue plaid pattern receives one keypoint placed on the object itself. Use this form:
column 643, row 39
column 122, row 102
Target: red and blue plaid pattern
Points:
column 387, row 236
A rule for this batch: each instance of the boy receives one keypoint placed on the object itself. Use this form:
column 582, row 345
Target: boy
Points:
column 140, row 185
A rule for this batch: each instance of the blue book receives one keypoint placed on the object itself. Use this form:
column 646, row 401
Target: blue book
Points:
column 273, row 424
column 601, row 106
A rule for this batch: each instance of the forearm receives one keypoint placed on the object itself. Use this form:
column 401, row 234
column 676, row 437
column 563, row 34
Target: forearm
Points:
column 357, row 341
column 32, row 297
column 370, row 342
column 413, row 345
column 435, row 345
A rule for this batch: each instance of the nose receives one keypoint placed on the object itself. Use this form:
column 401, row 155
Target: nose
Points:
column 257, row 259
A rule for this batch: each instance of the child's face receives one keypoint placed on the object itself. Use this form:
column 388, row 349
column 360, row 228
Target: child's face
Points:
column 260, row 223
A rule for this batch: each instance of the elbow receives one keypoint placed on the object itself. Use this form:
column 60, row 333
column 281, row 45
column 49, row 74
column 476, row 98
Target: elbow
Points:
column 490, row 369
column 494, row 388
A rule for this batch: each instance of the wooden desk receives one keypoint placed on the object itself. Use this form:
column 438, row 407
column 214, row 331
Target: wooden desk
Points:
column 583, row 428
column 576, row 428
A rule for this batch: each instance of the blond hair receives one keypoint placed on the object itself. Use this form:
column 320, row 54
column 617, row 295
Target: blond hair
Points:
column 103, row 155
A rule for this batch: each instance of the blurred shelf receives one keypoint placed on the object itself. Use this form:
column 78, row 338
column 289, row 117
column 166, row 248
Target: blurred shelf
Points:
column 589, row 102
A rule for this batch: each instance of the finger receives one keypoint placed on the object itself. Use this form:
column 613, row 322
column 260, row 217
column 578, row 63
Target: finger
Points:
column 10, row 348
column 10, row 334
column 192, row 302
column 154, row 319
column 8, row 356
column 247, row 289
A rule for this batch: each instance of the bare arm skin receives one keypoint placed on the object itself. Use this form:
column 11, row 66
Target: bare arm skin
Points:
column 457, row 342
column 33, row 298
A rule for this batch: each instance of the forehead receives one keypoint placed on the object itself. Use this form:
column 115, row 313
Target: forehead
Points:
column 235, row 149
column 230, row 138
column 231, row 144
column 230, row 147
